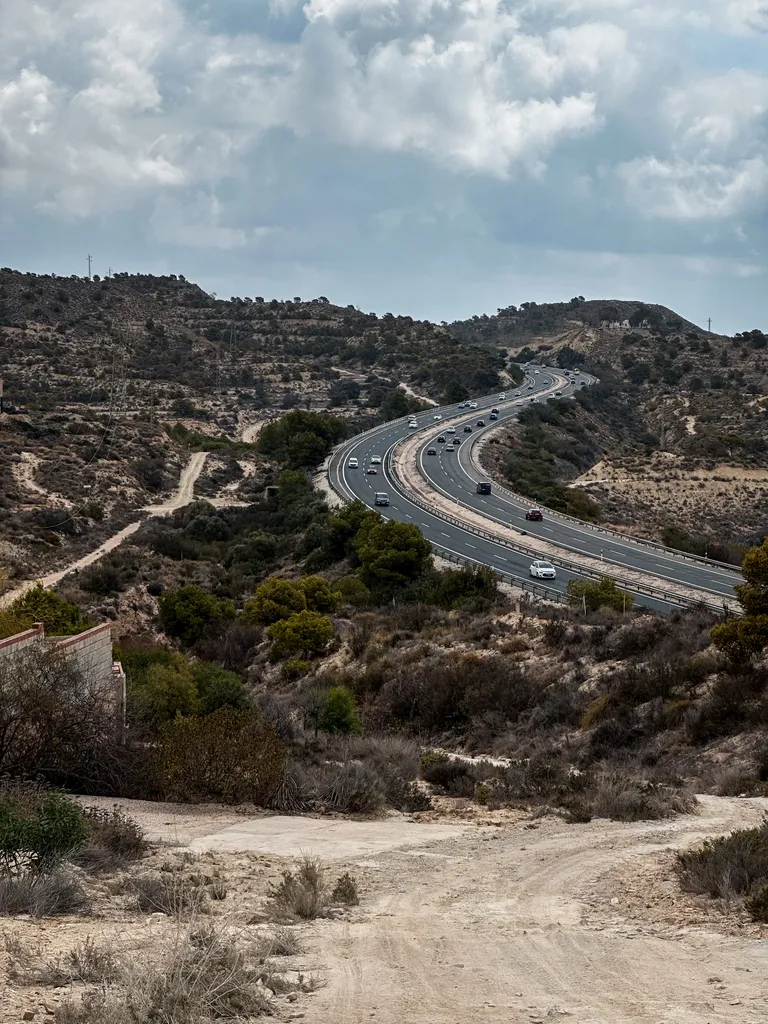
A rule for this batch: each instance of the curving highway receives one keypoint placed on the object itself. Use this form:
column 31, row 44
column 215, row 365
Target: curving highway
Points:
column 454, row 476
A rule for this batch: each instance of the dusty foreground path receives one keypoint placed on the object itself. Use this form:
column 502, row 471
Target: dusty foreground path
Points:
column 518, row 925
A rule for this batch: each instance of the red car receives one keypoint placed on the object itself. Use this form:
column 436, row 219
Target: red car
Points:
column 534, row 515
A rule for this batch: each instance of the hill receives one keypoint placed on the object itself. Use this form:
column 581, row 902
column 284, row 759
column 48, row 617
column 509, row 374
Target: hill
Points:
column 675, row 438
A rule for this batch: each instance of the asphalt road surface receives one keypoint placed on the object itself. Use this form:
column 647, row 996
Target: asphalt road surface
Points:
column 453, row 475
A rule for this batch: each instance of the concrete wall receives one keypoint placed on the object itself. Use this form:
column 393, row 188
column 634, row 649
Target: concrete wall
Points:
column 15, row 646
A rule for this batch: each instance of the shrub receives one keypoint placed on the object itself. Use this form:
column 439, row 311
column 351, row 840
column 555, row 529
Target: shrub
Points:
column 351, row 590
column 302, row 894
column 43, row 895
column 306, row 634
column 38, row 829
column 218, row 688
column 618, row 797
column 114, row 840
column 318, row 594
column 345, row 891
column 59, row 616
column 86, row 962
column 728, row 866
column 757, row 905
column 352, row 788
column 164, row 693
column 450, row 775
column 187, row 613
column 275, row 599
column 338, row 712
column 602, row 594
column 229, row 756
column 171, row 893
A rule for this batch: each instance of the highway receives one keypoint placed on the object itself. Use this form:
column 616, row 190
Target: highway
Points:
column 454, row 475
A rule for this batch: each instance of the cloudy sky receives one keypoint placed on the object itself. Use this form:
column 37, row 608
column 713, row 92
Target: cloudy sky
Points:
column 433, row 157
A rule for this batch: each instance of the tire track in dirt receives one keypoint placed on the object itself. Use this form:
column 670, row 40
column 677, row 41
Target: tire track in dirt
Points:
column 494, row 928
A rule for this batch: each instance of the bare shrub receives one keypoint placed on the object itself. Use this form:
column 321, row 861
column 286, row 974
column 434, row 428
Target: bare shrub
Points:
column 351, row 787
column 620, row 797
column 204, row 975
column 280, row 941
column 114, row 840
column 87, row 963
column 301, row 895
column 726, row 867
column 43, row 895
column 172, row 893
column 345, row 891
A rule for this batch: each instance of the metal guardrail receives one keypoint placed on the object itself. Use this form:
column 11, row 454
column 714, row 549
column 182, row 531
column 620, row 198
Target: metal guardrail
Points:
column 519, row 582
column 582, row 524
column 674, row 600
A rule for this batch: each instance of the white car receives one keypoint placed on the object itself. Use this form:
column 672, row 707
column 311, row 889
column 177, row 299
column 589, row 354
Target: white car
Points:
column 449, row 448
column 473, row 405
column 353, row 463
column 375, row 460
column 543, row 570
column 413, row 424
column 451, row 430
column 503, row 394
column 437, row 416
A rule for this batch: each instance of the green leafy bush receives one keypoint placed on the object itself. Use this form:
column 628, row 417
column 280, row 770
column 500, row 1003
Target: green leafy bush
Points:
column 275, row 599
column 338, row 712
column 187, row 613
column 306, row 634
column 38, row 830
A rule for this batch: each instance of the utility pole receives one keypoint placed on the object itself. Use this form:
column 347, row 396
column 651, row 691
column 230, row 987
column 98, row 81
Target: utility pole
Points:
column 89, row 266
column 709, row 325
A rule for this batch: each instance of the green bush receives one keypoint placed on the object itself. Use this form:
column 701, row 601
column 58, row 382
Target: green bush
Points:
column 60, row 617
column 306, row 634
column 301, row 440
column 599, row 594
column 164, row 693
column 338, row 712
column 218, row 688
column 391, row 554
column 38, row 830
column 318, row 594
column 275, row 599
column 187, row 613
column 351, row 590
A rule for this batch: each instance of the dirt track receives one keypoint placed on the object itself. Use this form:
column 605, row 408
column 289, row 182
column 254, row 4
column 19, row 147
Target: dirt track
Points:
column 518, row 925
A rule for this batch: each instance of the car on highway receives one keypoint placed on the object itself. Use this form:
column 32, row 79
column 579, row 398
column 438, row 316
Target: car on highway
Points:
column 543, row 570
column 530, row 387
column 353, row 463
column 534, row 515
column 483, row 487
column 437, row 416
column 451, row 430
column 380, row 498
column 431, row 451
column 467, row 429
column 473, row 405
column 494, row 409
column 450, row 448
column 413, row 425
column 493, row 416
column 558, row 393
column 371, row 471
column 463, row 405
column 577, row 371
column 375, row 460
column 457, row 441
column 441, row 439
column 503, row 395
column 481, row 423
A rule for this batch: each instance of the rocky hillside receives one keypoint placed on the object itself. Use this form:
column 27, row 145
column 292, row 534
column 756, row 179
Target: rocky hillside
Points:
column 675, row 437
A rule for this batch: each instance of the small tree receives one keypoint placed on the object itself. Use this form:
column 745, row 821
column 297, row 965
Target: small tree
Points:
column 747, row 637
column 218, row 688
column 338, row 712
column 391, row 554
column 189, row 612
column 165, row 693
column 318, row 594
column 60, row 617
column 275, row 599
column 306, row 634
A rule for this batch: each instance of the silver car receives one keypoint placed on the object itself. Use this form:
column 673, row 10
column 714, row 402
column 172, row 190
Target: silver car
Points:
column 543, row 570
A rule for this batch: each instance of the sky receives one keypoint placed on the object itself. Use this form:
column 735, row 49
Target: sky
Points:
column 439, row 158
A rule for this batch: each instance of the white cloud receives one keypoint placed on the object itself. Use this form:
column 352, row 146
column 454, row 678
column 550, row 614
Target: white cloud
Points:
column 198, row 224
column 677, row 190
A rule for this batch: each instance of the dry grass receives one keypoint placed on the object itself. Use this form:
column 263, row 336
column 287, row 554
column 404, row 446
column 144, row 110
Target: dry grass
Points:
column 43, row 895
column 87, row 962
column 172, row 892
column 728, row 867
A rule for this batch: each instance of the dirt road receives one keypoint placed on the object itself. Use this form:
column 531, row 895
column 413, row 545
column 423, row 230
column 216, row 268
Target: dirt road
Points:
column 521, row 925
column 182, row 496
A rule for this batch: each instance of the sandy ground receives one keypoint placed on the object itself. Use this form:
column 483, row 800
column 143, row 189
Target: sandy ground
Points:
column 526, row 925
column 24, row 475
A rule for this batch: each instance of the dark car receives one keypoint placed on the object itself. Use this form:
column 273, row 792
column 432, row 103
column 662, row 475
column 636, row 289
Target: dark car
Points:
column 441, row 440
column 481, row 423
column 467, row 429
column 457, row 441
column 493, row 416
column 484, row 488
column 431, row 451
column 371, row 471
column 380, row 498
column 534, row 515
column 494, row 410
